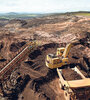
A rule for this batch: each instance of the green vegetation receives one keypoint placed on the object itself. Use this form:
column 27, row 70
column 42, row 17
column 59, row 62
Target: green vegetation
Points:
column 18, row 16
column 83, row 14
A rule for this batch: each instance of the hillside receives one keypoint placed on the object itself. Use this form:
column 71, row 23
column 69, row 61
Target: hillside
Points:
column 14, row 15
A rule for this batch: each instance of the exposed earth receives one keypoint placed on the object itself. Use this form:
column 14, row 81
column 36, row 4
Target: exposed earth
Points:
column 41, row 83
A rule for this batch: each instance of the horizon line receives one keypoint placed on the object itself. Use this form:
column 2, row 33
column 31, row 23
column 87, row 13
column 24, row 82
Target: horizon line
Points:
column 46, row 12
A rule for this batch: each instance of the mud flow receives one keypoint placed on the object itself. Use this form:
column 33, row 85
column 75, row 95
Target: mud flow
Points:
column 52, row 31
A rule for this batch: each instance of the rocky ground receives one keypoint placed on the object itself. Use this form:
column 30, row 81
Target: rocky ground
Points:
column 39, row 82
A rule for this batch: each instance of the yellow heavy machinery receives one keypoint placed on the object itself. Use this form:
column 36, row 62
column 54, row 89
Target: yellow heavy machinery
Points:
column 61, row 56
column 73, row 89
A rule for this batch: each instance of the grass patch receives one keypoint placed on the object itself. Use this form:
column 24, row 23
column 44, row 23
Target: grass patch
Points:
column 82, row 14
column 19, row 16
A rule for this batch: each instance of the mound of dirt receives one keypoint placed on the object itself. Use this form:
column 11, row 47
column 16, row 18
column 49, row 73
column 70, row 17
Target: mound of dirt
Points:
column 22, row 22
column 70, row 74
column 12, row 93
column 1, row 45
column 15, row 46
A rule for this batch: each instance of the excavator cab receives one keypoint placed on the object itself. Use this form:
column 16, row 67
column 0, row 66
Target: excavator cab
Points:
column 60, row 51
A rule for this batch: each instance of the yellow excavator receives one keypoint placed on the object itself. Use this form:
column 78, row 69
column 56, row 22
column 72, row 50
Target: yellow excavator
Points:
column 61, row 57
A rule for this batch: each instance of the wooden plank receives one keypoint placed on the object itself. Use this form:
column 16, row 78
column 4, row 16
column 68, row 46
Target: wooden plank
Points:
column 79, row 83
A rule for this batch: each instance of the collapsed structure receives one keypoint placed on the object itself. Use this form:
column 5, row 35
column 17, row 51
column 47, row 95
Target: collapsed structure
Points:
column 6, row 71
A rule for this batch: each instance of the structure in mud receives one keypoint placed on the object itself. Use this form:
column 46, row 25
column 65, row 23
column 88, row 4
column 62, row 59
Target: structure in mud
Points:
column 6, row 71
column 76, row 86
